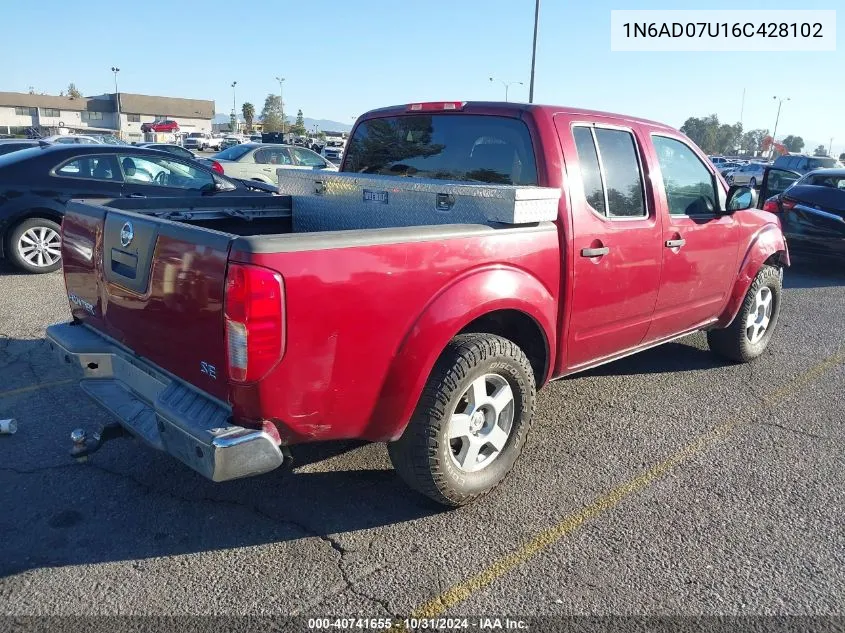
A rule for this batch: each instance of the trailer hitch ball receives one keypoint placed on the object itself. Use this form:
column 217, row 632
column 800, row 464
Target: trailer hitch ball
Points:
column 80, row 449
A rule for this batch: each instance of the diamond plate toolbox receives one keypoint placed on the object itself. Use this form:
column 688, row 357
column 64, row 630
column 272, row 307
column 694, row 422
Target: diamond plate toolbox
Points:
column 331, row 201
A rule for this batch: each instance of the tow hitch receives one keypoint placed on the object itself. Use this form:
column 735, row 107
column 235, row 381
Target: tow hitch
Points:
column 83, row 445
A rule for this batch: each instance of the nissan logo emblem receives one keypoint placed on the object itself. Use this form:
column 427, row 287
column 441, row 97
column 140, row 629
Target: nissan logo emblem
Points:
column 126, row 234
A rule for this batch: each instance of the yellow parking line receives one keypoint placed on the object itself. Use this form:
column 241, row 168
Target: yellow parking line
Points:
column 43, row 385
column 463, row 590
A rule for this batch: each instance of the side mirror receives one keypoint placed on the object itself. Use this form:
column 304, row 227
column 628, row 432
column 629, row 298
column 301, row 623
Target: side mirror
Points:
column 740, row 198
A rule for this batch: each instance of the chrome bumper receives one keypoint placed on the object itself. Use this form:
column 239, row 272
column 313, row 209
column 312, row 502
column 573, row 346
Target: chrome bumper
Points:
column 162, row 410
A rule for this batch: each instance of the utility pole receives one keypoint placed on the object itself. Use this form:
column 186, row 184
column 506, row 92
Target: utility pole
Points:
column 742, row 108
column 533, row 51
column 234, row 109
column 281, row 81
column 116, row 70
column 777, row 118
column 830, row 147
column 507, row 84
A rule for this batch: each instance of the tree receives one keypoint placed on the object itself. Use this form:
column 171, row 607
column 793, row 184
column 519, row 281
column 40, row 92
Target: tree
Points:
column 752, row 141
column 842, row 157
column 711, row 136
column 271, row 115
column 248, row 110
column 793, row 143
column 298, row 128
column 820, row 151
column 72, row 91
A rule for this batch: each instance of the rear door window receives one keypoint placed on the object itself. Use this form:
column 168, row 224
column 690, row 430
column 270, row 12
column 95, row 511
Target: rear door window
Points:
column 465, row 147
column 610, row 171
column 90, row 168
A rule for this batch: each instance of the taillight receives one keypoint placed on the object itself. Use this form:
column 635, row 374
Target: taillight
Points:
column 771, row 205
column 215, row 166
column 255, row 325
column 788, row 204
column 436, row 106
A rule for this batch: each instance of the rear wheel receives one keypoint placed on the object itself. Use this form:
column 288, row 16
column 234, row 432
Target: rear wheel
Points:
column 471, row 421
column 752, row 328
column 35, row 246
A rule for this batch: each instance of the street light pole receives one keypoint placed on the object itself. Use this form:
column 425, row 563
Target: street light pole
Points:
column 777, row 118
column 116, row 70
column 281, row 81
column 506, row 84
column 534, row 51
column 830, row 147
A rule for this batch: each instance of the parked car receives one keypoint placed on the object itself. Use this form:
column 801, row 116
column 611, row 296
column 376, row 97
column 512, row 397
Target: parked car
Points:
column 802, row 163
column 432, row 336
column 750, row 174
column 172, row 148
column 255, row 138
column 718, row 160
column 231, row 141
column 36, row 184
column 259, row 161
column 728, row 166
column 164, row 125
column 202, row 141
column 73, row 139
column 333, row 150
column 811, row 210
column 14, row 144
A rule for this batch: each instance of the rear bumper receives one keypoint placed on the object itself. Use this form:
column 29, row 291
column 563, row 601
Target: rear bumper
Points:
column 162, row 410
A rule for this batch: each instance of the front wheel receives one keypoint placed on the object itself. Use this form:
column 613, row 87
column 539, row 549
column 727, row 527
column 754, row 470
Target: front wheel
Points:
column 752, row 328
column 35, row 246
column 471, row 421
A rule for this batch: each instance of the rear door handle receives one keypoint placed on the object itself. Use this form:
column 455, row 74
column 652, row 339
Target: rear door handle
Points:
column 594, row 252
column 675, row 243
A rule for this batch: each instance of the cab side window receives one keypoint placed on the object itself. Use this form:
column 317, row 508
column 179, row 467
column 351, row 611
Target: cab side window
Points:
column 689, row 185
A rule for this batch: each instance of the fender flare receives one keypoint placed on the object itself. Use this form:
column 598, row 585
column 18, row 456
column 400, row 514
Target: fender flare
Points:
column 467, row 298
column 765, row 243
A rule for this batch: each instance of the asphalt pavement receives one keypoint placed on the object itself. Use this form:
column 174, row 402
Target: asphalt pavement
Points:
column 668, row 483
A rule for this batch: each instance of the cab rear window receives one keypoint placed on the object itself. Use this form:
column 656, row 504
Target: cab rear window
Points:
column 472, row 148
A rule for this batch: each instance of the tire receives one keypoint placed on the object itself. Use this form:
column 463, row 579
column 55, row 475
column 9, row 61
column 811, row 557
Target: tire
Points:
column 34, row 246
column 742, row 340
column 753, row 183
column 443, row 469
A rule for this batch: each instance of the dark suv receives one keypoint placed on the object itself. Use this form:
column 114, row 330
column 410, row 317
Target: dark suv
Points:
column 804, row 164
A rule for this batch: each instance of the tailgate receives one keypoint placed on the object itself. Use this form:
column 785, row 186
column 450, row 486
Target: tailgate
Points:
column 153, row 285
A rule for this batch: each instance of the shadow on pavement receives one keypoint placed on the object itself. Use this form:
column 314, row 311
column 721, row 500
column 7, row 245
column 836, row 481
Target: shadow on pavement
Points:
column 667, row 358
column 131, row 502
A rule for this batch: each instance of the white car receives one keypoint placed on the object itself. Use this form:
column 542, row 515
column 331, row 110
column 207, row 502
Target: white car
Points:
column 259, row 161
column 73, row 138
column 201, row 141
column 333, row 149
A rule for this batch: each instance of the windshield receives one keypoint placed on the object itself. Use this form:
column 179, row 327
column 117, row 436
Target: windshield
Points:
column 472, row 148
column 233, row 153
column 195, row 135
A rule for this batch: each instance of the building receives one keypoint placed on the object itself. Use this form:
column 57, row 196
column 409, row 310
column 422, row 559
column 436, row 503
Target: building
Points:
column 44, row 115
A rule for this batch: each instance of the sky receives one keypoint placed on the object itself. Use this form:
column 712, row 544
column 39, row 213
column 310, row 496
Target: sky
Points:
column 341, row 58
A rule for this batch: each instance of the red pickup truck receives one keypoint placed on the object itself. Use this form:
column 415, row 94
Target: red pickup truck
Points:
column 224, row 341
